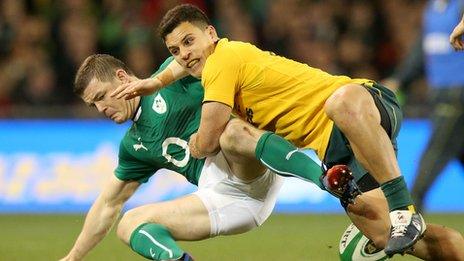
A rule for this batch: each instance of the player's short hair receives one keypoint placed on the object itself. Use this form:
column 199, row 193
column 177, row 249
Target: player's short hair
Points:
column 101, row 66
column 179, row 14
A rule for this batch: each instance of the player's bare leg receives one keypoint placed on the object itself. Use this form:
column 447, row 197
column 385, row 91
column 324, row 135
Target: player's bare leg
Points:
column 151, row 230
column 248, row 149
column 370, row 215
column 353, row 110
column 238, row 144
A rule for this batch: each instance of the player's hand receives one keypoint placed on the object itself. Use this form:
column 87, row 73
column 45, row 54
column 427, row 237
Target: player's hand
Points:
column 137, row 88
column 456, row 37
column 68, row 258
column 192, row 146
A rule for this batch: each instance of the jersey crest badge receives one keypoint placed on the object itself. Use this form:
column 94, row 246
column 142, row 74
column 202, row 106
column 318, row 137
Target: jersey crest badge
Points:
column 159, row 105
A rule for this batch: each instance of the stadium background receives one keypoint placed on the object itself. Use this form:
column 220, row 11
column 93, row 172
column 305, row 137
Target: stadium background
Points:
column 55, row 152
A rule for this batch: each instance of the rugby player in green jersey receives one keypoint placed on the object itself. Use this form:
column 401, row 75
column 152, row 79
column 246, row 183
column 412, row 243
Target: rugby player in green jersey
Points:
column 226, row 202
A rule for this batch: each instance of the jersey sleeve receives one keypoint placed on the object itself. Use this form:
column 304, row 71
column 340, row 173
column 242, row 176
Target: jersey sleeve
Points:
column 130, row 168
column 220, row 76
column 163, row 66
column 186, row 80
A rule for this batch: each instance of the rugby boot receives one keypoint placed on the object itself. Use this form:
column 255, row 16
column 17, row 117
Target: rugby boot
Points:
column 339, row 181
column 406, row 229
column 186, row 257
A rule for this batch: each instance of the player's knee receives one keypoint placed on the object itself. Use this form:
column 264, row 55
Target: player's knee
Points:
column 338, row 102
column 345, row 105
column 233, row 135
column 454, row 242
column 443, row 243
column 231, row 131
column 126, row 226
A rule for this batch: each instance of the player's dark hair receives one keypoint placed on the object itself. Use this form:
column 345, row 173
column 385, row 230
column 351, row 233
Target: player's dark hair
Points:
column 179, row 14
column 101, row 66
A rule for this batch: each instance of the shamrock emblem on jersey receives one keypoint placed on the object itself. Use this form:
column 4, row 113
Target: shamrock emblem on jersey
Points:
column 159, row 105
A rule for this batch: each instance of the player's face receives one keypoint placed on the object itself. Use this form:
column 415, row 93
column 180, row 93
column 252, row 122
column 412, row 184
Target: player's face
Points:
column 191, row 46
column 97, row 94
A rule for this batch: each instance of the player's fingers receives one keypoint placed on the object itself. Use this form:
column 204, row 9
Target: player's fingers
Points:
column 457, row 44
column 131, row 95
column 118, row 90
column 138, row 89
column 460, row 44
column 453, row 40
column 125, row 92
column 454, row 36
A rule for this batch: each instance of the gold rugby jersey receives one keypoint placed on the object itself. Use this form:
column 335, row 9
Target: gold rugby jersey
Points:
column 272, row 92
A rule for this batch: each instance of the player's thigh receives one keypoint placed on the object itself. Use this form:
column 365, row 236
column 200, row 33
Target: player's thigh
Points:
column 186, row 218
column 236, row 206
column 370, row 215
column 239, row 139
column 238, row 144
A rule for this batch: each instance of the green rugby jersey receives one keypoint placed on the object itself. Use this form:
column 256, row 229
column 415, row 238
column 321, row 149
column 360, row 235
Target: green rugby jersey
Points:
column 159, row 135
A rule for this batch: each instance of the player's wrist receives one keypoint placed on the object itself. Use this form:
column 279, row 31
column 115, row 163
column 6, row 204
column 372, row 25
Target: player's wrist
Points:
column 74, row 256
column 164, row 78
column 194, row 149
column 158, row 83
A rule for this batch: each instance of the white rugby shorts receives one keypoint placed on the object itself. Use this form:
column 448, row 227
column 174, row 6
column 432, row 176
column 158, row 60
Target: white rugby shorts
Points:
column 235, row 206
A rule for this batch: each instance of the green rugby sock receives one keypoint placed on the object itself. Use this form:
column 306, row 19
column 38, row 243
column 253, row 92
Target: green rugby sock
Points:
column 397, row 194
column 155, row 242
column 285, row 159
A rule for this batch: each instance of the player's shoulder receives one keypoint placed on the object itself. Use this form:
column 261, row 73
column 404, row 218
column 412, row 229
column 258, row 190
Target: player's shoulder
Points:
column 234, row 47
column 227, row 53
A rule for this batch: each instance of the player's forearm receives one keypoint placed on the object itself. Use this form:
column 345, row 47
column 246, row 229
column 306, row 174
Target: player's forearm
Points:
column 139, row 87
column 173, row 72
column 98, row 223
column 214, row 118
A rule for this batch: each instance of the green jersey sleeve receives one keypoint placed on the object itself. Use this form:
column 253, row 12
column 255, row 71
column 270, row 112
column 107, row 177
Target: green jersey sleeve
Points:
column 131, row 168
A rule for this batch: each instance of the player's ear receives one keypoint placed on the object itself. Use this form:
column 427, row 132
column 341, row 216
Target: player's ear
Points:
column 211, row 31
column 122, row 75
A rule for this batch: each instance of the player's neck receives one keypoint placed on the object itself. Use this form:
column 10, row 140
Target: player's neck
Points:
column 135, row 105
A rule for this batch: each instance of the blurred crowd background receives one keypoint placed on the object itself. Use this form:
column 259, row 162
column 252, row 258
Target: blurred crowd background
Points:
column 42, row 42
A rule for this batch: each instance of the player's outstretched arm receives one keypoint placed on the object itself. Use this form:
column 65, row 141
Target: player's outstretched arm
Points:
column 101, row 216
column 170, row 74
column 456, row 36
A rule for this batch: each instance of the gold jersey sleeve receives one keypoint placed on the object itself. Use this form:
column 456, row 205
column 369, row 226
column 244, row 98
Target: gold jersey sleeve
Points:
column 272, row 92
